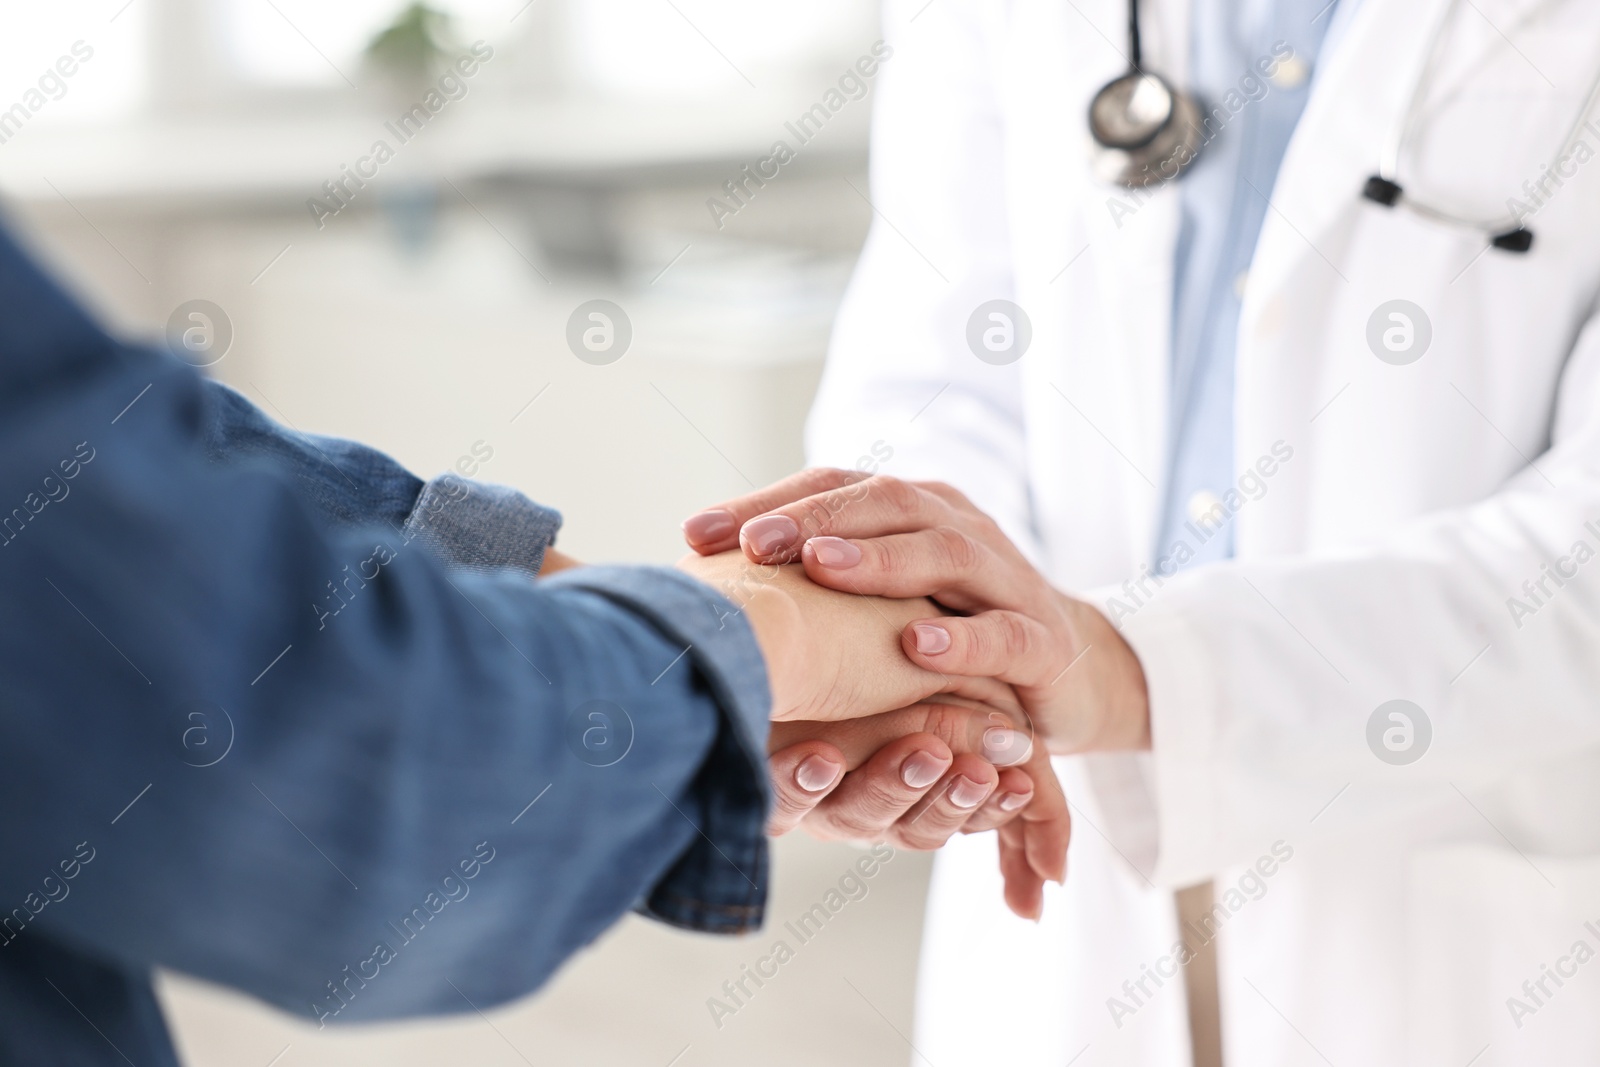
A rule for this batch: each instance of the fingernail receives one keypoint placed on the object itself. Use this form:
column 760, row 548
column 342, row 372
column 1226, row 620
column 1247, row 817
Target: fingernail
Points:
column 816, row 774
column 921, row 769
column 965, row 793
column 1003, row 747
column 770, row 534
column 931, row 640
column 834, row 552
column 1013, row 801
column 709, row 526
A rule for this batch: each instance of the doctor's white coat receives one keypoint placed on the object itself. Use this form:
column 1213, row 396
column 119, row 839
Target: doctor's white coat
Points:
column 1423, row 531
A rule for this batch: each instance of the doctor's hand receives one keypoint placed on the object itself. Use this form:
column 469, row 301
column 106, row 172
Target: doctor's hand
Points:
column 883, row 537
column 916, row 776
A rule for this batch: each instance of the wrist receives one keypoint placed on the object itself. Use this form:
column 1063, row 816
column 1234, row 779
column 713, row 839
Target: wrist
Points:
column 776, row 621
column 1118, row 715
column 555, row 562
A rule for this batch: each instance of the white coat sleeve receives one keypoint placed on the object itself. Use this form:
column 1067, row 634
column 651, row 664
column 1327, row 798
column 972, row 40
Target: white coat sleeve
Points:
column 900, row 375
column 1265, row 676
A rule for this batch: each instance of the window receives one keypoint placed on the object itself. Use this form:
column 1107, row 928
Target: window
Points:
column 689, row 46
column 38, row 46
column 314, row 42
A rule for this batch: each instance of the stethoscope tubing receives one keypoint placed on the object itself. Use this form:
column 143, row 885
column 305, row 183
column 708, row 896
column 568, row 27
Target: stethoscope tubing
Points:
column 1394, row 146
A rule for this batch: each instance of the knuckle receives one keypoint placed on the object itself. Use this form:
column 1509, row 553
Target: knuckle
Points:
column 1015, row 638
column 780, row 823
column 910, row 836
column 855, row 486
column 819, row 479
column 945, row 491
column 883, row 800
column 978, row 640
column 936, row 825
column 952, row 497
column 814, row 515
column 988, row 817
column 949, row 723
column 930, row 829
column 961, row 553
column 894, row 558
column 977, row 516
column 899, row 495
column 852, row 826
column 789, row 810
column 789, row 803
column 923, row 838
column 868, row 815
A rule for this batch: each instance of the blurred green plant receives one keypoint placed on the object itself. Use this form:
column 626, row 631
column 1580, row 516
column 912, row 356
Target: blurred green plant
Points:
column 414, row 47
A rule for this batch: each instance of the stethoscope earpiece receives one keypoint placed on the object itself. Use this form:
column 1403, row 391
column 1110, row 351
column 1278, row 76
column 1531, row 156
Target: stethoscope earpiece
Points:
column 1388, row 192
column 1517, row 240
column 1381, row 190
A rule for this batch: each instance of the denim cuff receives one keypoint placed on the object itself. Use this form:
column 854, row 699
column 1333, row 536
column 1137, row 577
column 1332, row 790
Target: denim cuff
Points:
column 720, row 884
column 481, row 527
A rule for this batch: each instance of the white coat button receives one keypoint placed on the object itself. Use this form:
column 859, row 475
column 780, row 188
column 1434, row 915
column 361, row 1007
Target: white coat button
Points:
column 1270, row 322
column 1203, row 506
column 1291, row 73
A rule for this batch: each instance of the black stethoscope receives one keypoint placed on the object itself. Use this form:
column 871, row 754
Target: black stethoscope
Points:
column 1149, row 133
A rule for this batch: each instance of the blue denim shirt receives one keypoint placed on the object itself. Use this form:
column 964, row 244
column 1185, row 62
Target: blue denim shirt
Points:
column 280, row 715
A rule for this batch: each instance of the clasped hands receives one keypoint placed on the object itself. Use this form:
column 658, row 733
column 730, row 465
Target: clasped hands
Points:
column 929, row 698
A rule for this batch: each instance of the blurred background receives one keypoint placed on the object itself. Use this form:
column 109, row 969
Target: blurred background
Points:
column 202, row 150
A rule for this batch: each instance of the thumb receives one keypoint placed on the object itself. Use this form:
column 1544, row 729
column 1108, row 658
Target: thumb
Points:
column 1007, row 645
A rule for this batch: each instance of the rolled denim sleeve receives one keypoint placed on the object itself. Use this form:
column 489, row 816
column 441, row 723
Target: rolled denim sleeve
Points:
column 467, row 524
column 482, row 527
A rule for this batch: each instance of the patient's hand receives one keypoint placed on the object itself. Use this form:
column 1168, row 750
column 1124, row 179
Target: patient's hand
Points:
column 830, row 655
column 916, row 776
column 555, row 562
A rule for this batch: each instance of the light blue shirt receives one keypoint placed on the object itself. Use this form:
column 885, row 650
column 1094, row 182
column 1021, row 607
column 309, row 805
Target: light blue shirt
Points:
column 1251, row 117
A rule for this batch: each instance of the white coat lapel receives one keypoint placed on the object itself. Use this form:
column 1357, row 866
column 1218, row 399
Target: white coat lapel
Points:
column 1363, row 87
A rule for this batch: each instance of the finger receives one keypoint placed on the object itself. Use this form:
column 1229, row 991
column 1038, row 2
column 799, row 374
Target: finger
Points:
column 802, row 775
column 872, row 798
column 1024, row 889
column 716, row 529
column 969, row 783
column 1007, row 645
column 870, row 508
column 1046, row 823
column 948, row 493
column 1010, row 796
column 963, row 572
column 1000, row 738
column 985, row 694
